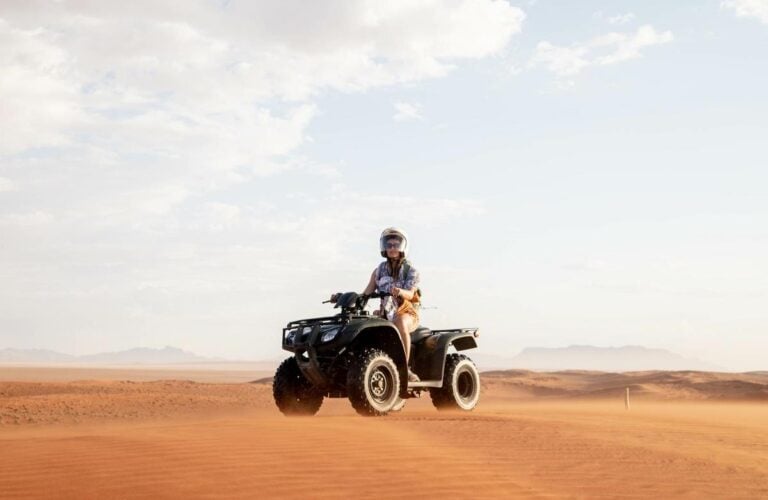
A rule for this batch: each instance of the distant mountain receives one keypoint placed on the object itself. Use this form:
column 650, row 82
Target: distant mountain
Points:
column 485, row 361
column 34, row 356
column 145, row 355
column 139, row 355
column 609, row 359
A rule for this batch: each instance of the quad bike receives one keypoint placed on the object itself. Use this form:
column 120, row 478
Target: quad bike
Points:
column 360, row 356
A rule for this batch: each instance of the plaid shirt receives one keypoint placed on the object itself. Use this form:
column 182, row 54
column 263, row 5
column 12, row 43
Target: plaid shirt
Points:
column 384, row 284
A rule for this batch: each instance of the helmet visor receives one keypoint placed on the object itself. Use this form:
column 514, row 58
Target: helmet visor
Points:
column 391, row 242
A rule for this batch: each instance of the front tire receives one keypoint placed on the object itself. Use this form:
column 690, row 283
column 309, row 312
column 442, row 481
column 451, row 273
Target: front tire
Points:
column 461, row 385
column 399, row 405
column 373, row 383
column 294, row 394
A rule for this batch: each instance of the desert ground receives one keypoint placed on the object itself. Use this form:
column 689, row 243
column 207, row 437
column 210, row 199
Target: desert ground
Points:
column 80, row 432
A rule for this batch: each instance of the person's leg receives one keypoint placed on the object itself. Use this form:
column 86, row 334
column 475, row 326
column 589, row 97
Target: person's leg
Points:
column 403, row 324
column 406, row 324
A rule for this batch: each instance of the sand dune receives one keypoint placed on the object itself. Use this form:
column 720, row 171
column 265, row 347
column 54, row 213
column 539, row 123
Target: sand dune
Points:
column 116, row 400
column 184, row 439
column 89, row 401
column 668, row 385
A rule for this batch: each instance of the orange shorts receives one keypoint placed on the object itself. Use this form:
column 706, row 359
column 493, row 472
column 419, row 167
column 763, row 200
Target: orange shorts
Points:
column 407, row 307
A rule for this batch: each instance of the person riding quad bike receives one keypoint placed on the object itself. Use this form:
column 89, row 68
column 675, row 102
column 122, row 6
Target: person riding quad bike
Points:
column 397, row 277
column 376, row 360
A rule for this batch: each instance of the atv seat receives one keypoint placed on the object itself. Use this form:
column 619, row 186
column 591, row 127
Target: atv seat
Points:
column 420, row 334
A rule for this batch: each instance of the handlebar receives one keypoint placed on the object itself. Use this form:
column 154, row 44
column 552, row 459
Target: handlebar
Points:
column 374, row 295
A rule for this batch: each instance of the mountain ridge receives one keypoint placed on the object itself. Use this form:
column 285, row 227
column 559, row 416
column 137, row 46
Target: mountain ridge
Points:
column 136, row 355
column 573, row 357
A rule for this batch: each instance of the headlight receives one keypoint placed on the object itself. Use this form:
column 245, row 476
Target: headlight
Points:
column 290, row 335
column 329, row 333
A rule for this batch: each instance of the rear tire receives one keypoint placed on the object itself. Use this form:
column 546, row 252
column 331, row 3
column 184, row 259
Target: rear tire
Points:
column 399, row 405
column 294, row 394
column 373, row 383
column 461, row 385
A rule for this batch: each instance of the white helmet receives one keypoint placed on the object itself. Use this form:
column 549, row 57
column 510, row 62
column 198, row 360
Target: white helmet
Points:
column 393, row 232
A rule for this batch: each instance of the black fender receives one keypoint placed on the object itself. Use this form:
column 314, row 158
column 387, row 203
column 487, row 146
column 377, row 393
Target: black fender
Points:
column 356, row 326
column 429, row 360
column 380, row 334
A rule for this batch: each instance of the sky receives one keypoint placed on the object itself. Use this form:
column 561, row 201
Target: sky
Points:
column 199, row 173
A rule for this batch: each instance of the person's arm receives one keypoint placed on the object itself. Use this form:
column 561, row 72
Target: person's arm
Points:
column 372, row 288
column 411, row 285
column 371, row 284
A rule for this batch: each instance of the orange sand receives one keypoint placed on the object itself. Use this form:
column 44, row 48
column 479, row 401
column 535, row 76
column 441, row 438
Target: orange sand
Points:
column 177, row 439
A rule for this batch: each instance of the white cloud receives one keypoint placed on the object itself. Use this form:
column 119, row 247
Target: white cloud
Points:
column 603, row 50
column 621, row 18
column 193, row 87
column 71, row 66
column 23, row 220
column 617, row 19
column 406, row 111
column 140, row 132
column 181, row 98
column 562, row 61
column 422, row 211
column 748, row 8
column 224, row 215
column 7, row 185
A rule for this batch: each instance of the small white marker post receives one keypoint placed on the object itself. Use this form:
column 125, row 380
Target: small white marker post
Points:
column 626, row 399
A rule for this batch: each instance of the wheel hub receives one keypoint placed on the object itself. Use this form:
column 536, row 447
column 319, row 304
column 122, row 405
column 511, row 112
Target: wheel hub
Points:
column 379, row 384
column 466, row 386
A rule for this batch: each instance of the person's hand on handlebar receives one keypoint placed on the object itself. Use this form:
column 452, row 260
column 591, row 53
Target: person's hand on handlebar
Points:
column 401, row 293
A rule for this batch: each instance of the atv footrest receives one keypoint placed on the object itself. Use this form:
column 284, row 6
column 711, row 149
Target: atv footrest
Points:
column 425, row 383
